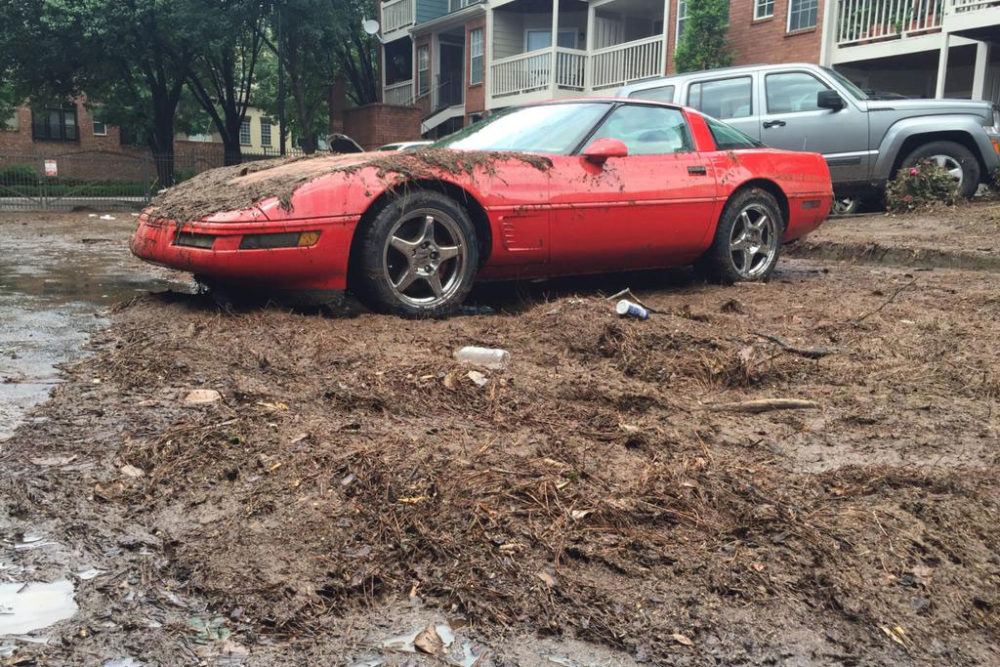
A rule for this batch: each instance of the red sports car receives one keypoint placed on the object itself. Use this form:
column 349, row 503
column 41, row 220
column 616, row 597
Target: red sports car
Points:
column 571, row 187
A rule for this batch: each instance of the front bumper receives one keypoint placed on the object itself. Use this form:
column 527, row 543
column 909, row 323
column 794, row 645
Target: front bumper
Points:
column 213, row 250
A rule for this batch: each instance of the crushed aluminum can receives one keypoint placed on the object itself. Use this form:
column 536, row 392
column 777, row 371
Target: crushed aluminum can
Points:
column 626, row 308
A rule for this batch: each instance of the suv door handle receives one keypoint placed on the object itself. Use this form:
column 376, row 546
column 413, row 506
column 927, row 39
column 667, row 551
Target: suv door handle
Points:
column 773, row 123
column 700, row 170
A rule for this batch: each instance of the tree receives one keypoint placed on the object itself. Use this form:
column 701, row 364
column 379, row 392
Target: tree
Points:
column 314, row 41
column 703, row 40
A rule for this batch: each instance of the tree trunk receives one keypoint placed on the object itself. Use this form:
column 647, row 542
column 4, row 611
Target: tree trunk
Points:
column 162, row 144
column 232, row 151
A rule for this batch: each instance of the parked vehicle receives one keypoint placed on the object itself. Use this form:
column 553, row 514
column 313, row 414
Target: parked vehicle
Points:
column 571, row 187
column 864, row 140
column 404, row 146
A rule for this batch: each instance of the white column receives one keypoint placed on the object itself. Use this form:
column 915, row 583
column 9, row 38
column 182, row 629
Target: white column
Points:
column 666, row 34
column 588, row 59
column 979, row 72
column 828, row 36
column 942, row 73
column 555, row 41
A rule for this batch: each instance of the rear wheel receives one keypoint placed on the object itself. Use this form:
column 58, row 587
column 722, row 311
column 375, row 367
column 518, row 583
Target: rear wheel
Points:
column 747, row 239
column 956, row 158
column 418, row 257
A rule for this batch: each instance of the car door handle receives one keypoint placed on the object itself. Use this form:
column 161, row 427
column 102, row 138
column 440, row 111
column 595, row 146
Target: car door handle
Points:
column 698, row 170
column 768, row 124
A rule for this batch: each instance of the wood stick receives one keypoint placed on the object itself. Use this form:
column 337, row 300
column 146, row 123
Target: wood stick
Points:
column 764, row 405
column 807, row 352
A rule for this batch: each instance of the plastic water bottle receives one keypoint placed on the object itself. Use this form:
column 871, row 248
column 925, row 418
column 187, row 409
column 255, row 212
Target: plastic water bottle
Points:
column 485, row 357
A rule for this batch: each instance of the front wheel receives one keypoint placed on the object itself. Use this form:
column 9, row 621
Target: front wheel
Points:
column 955, row 158
column 418, row 257
column 747, row 239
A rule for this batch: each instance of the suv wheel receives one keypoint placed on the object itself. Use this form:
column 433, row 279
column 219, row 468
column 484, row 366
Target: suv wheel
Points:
column 956, row 158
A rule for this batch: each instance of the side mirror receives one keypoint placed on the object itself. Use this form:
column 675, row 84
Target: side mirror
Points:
column 599, row 150
column 829, row 99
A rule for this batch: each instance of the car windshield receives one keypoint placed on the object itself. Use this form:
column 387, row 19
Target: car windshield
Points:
column 549, row 128
column 847, row 83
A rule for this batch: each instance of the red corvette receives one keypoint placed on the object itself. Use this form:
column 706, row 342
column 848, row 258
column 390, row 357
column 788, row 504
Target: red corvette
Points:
column 581, row 186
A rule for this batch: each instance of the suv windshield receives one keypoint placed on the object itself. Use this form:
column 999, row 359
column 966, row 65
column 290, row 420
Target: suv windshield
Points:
column 550, row 128
column 846, row 83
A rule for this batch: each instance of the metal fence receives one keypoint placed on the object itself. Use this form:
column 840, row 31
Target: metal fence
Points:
column 99, row 181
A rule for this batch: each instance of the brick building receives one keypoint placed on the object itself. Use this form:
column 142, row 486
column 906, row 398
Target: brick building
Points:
column 458, row 59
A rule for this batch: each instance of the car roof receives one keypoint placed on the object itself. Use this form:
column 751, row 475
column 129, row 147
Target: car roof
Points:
column 736, row 69
column 605, row 100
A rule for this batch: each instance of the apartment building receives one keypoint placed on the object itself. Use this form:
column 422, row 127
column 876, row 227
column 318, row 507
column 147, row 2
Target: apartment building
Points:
column 459, row 59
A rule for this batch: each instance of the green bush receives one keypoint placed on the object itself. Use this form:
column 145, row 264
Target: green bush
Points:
column 924, row 185
column 18, row 174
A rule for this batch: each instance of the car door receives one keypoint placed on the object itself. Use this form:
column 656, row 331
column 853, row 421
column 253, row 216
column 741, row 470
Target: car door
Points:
column 650, row 208
column 793, row 121
column 730, row 99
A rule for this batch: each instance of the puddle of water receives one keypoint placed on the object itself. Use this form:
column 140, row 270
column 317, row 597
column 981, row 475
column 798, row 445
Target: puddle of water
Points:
column 28, row 607
column 55, row 286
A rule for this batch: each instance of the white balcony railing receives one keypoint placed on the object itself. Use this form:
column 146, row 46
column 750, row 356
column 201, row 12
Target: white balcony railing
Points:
column 866, row 21
column 620, row 64
column 522, row 73
column 400, row 94
column 455, row 5
column 396, row 15
column 959, row 6
column 571, row 69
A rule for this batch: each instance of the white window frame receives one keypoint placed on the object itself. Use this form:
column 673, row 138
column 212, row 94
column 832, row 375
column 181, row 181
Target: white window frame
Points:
column 758, row 5
column 423, row 70
column 473, row 55
column 788, row 22
column 246, row 126
column 562, row 31
column 265, row 137
column 104, row 128
column 682, row 14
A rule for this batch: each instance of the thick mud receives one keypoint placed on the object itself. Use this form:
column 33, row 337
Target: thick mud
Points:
column 352, row 484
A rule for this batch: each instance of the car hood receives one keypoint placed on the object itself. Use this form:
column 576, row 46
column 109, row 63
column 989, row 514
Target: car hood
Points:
column 929, row 106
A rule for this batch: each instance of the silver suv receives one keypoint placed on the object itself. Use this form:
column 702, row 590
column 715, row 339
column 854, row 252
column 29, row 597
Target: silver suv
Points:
column 865, row 141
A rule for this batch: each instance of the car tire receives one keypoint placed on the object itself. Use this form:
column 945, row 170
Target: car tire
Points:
column 417, row 257
column 952, row 156
column 747, row 239
column 845, row 205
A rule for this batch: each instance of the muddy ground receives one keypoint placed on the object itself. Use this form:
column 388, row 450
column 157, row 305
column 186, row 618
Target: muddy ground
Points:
column 591, row 504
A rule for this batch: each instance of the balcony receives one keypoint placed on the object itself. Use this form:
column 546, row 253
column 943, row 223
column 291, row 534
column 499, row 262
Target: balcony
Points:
column 400, row 94
column 564, row 72
column 861, row 22
column 397, row 17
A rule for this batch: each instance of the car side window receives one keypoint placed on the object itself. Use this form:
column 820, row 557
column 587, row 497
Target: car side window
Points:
column 647, row 130
column 789, row 92
column 659, row 94
column 723, row 98
column 728, row 138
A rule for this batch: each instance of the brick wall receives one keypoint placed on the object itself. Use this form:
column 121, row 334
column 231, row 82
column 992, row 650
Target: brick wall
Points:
column 475, row 95
column 760, row 41
column 372, row 125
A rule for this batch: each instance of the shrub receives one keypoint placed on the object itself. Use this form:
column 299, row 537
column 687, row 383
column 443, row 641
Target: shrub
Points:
column 18, row 174
column 923, row 185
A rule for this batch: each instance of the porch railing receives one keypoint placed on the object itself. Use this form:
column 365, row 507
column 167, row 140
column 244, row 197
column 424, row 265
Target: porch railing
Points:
column 959, row 6
column 620, row 64
column 396, row 15
column 522, row 73
column 571, row 68
column 400, row 94
column 866, row 21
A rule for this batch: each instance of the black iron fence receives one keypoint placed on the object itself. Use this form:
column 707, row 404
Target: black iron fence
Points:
column 77, row 181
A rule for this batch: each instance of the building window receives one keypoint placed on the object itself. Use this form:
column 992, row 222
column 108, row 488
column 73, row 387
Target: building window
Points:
column 11, row 124
column 54, row 125
column 100, row 128
column 265, row 133
column 682, row 14
column 245, row 132
column 476, row 56
column 801, row 14
column 763, row 9
column 455, row 5
column 423, row 70
column 542, row 39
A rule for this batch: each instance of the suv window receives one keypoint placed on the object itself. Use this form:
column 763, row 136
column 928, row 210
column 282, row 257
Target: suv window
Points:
column 647, row 130
column 660, row 94
column 789, row 92
column 723, row 98
column 728, row 138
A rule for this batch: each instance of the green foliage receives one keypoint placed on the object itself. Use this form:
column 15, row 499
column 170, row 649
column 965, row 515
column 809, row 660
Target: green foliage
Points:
column 703, row 40
column 18, row 174
column 921, row 186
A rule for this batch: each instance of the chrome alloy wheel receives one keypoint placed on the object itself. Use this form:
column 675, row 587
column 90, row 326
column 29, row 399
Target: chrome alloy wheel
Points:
column 753, row 242
column 424, row 256
column 951, row 165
